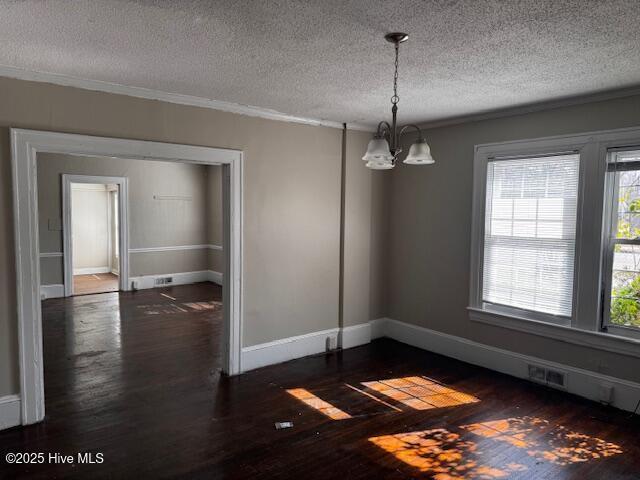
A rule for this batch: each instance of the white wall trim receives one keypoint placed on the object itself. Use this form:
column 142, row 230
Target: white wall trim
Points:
column 25, row 145
column 181, row 278
column 175, row 248
column 588, row 338
column 356, row 335
column 378, row 327
column 51, row 255
column 580, row 382
column 140, row 92
column 290, row 348
column 91, row 270
column 215, row 277
column 52, row 291
column 286, row 349
column 584, row 383
column 9, row 411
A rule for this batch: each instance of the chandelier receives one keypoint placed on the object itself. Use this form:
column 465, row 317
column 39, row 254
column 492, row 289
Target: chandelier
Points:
column 384, row 147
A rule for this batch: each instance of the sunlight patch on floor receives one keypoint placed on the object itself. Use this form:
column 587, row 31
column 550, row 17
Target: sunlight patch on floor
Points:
column 545, row 441
column 441, row 454
column 420, row 393
column 308, row 398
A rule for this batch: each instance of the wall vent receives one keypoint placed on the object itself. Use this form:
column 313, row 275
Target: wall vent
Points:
column 552, row 378
column 537, row 374
column 555, row 378
column 164, row 281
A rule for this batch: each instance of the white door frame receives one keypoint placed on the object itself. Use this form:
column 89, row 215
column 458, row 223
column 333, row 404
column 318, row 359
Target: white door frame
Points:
column 123, row 227
column 25, row 145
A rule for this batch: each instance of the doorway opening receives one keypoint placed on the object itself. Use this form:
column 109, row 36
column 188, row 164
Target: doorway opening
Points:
column 95, row 238
column 138, row 316
column 95, row 232
column 104, row 340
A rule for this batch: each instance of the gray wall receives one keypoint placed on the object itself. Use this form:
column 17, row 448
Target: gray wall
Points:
column 365, row 242
column 152, row 222
column 291, row 202
column 430, row 228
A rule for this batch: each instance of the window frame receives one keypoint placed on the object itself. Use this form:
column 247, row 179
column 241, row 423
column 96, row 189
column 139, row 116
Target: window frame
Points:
column 565, row 320
column 610, row 241
column 585, row 326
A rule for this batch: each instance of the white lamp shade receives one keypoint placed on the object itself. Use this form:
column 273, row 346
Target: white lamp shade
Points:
column 378, row 151
column 379, row 164
column 419, row 154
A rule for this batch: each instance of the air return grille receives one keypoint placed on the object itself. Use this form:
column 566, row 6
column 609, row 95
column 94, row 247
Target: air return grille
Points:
column 546, row 376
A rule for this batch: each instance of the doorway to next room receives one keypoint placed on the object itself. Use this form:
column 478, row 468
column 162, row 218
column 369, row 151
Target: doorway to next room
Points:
column 143, row 248
column 95, row 237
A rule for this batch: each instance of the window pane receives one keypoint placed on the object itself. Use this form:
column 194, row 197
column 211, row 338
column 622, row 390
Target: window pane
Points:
column 628, row 204
column 625, row 225
column 625, row 286
column 530, row 229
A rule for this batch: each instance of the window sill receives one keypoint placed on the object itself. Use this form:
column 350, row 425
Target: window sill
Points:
column 597, row 340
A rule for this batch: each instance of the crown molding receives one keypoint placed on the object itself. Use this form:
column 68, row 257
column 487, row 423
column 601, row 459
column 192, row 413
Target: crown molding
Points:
column 269, row 114
column 177, row 98
column 533, row 107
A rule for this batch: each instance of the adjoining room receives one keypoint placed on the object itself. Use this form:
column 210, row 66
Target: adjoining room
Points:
column 317, row 240
column 132, row 254
column 95, row 236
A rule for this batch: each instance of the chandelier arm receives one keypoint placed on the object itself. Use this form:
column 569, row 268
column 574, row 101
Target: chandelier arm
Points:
column 411, row 125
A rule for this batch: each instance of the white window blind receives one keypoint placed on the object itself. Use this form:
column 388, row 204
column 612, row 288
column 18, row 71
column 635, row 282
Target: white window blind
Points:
column 530, row 231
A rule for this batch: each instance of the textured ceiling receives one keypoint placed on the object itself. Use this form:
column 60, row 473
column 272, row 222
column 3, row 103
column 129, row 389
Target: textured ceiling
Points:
column 327, row 59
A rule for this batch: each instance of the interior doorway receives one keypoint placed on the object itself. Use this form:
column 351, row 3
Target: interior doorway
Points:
column 26, row 147
column 95, row 233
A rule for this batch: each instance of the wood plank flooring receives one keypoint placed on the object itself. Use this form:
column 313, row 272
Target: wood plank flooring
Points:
column 95, row 283
column 135, row 376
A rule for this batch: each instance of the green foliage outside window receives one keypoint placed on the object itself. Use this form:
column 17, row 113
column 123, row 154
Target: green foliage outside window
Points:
column 625, row 307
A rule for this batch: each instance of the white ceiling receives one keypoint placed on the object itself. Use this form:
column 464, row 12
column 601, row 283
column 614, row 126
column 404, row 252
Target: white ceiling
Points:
column 327, row 59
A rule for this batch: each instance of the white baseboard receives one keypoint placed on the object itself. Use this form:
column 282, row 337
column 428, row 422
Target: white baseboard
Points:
column 356, row 335
column 377, row 327
column 10, row 411
column 215, row 277
column 91, row 270
column 51, row 291
column 286, row 349
column 300, row 346
column 580, row 382
column 182, row 278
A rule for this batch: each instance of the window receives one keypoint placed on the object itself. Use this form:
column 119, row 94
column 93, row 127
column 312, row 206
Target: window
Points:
column 529, row 233
column 555, row 238
column 622, row 248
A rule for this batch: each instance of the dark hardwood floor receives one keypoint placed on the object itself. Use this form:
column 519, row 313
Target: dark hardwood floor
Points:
column 135, row 376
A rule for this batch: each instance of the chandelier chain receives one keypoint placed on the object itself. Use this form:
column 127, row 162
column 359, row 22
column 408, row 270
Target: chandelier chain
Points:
column 395, row 99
